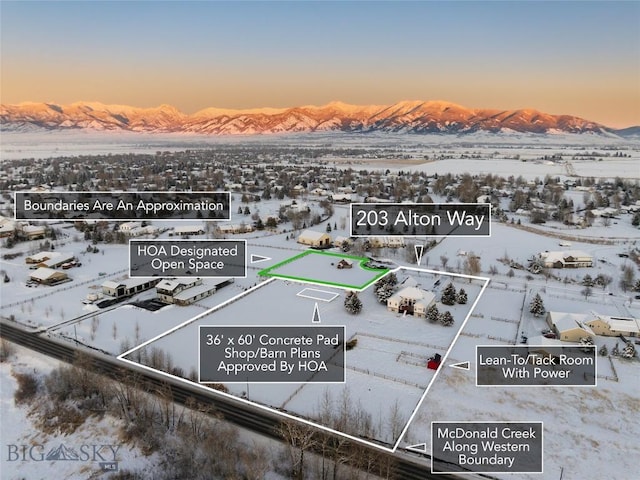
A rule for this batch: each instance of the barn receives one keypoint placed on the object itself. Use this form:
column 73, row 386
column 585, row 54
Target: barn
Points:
column 569, row 327
column 314, row 239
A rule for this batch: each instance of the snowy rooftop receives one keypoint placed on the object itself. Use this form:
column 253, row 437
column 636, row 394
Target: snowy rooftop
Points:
column 191, row 292
column 621, row 324
column 41, row 256
column 188, row 229
column 561, row 255
column 568, row 321
column 413, row 293
column 43, row 273
column 171, row 285
column 312, row 234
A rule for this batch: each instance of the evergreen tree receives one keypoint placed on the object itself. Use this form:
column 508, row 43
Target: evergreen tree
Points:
column 603, row 352
column 586, row 343
column 448, row 295
column 383, row 292
column 587, row 281
column 352, row 303
column 328, row 227
column 391, row 279
column 629, row 351
column 432, row 314
column 446, row 319
column 537, row 306
column 461, row 298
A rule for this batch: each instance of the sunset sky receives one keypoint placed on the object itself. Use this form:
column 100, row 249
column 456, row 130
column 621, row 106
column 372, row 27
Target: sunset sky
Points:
column 578, row 58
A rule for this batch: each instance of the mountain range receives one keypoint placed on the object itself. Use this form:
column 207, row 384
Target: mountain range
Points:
column 402, row 117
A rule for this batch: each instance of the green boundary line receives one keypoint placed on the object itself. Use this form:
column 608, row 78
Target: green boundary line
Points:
column 268, row 272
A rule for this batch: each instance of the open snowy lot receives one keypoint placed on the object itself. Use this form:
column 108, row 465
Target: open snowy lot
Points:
column 386, row 367
column 322, row 267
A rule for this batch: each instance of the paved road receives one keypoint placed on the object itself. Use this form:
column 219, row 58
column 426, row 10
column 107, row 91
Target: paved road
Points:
column 405, row 466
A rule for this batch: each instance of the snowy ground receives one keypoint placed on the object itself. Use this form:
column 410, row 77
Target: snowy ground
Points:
column 388, row 365
column 322, row 268
column 590, row 433
column 18, row 429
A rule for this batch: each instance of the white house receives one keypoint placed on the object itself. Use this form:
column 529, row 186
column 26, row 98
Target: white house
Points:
column 340, row 241
column 33, row 231
column 412, row 300
column 235, row 228
column 7, row 227
column 341, row 197
column 128, row 227
column 390, row 241
column 129, row 286
column 168, row 288
column 40, row 257
column 566, row 259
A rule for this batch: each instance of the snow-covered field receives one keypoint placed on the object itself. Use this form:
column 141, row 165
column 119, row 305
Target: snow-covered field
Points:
column 323, row 268
column 589, row 433
column 387, row 366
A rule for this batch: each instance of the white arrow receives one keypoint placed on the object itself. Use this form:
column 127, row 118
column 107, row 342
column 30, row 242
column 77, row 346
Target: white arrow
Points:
column 418, row 447
column 258, row 258
column 419, row 249
column 316, row 314
column 461, row 365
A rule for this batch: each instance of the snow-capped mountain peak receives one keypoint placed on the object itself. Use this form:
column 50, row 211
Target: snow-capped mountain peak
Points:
column 411, row 116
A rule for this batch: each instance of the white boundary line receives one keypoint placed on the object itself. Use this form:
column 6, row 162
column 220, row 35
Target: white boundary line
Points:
column 287, row 415
column 333, row 295
column 446, row 355
column 197, row 317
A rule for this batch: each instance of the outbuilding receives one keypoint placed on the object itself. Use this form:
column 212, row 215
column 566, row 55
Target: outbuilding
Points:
column 314, row 239
column 569, row 327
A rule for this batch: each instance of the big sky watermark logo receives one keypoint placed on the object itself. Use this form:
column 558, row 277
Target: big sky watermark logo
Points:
column 104, row 455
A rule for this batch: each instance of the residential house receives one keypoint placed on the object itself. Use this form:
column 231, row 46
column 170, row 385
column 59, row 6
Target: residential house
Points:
column 566, row 259
column 412, row 300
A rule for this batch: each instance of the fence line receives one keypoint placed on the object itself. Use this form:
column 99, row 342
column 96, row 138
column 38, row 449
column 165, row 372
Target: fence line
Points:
column 49, row 293
column 407, row 342
column 505, row 320
column 386, row 377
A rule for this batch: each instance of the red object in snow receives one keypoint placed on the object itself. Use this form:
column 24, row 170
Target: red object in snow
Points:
column 434, row 362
